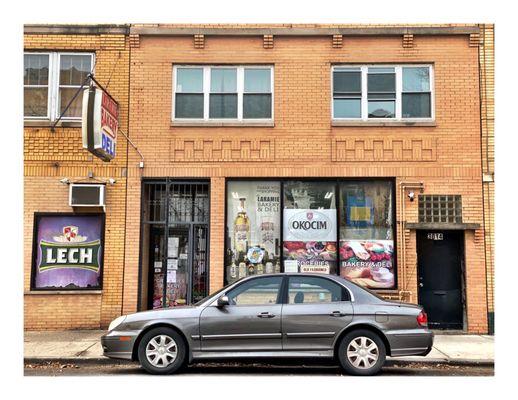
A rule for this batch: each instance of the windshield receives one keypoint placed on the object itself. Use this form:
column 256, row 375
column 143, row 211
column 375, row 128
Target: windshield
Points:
column 213, row 294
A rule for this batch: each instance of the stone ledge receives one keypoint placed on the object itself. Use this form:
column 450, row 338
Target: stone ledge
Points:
column 442, row 226
column 60, row 292
column 242, row 124
column 335, row 122
column 47, row 124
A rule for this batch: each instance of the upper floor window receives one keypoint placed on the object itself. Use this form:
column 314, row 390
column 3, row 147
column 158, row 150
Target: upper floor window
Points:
column 223, row 93
column 373, row 92
column 50, row 82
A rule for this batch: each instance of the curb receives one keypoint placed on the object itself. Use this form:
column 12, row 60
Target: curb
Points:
column 388, row 363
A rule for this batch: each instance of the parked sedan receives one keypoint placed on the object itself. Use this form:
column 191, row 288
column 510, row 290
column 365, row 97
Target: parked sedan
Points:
column 275, row 316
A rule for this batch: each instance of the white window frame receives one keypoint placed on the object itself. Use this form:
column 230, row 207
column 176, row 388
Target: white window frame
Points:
column 206, row 94
column 53, row 85
column 399, row 92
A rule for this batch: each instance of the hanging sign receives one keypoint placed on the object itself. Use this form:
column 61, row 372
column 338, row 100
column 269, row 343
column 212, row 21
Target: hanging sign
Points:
column 100, row 123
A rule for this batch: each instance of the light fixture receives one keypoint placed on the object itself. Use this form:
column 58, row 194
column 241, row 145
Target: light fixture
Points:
column 65, row 181
column 112, row 181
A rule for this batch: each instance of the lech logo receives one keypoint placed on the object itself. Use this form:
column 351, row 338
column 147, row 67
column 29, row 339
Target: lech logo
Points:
column 69, row 250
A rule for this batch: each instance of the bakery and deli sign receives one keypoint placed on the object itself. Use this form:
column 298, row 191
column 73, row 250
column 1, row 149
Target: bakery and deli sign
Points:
column 69, row 251
column 100, row 123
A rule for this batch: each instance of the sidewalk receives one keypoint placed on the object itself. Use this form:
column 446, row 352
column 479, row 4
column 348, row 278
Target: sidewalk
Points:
column 85, row 346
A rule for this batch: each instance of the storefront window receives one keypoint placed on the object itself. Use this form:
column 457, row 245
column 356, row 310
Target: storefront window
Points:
column 366, row 233
column 309, row 227
column 68, row 251
column 252, row 229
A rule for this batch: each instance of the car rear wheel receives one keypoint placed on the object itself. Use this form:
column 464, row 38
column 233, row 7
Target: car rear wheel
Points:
column 361, row 352
column 162, row 351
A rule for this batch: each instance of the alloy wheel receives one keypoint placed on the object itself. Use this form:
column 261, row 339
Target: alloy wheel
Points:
column 362, row 352
column 161, row 351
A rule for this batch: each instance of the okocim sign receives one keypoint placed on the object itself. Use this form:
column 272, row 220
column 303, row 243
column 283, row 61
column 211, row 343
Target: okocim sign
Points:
column 100, row 123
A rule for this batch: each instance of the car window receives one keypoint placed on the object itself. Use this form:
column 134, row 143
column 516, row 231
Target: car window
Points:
column 310, row 290
column 256, row 292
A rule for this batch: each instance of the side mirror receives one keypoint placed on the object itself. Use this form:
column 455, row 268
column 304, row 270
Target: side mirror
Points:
column 223, row 301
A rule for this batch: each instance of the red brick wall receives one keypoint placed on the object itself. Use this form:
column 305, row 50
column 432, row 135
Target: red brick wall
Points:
column 303, row 143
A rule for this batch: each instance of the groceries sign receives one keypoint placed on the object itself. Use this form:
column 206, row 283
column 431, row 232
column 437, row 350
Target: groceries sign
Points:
column 100, row 123
column 310, row 225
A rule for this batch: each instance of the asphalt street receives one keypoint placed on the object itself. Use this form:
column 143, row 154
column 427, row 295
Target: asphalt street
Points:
column 56, row 368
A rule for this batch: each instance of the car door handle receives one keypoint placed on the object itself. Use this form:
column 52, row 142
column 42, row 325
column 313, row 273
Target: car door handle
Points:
column 265, row 314
column 337, row 314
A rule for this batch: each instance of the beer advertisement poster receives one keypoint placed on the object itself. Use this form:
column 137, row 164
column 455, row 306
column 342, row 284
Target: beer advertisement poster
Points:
column 68, row 251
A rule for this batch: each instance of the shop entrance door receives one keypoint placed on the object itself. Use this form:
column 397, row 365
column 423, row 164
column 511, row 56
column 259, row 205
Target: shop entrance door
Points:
column 440, row 255
column 178, row 253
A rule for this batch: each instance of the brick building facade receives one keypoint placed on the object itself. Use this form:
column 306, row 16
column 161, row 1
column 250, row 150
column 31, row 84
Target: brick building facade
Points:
column 222, row 113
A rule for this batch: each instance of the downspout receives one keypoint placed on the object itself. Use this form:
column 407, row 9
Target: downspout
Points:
column 403, row 292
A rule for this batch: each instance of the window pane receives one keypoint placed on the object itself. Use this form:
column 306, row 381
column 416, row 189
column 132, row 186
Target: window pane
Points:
column 36, row 69
column 309, row 242
column 366, row 233
column 188, row 105
column 307, row 290
column 416, row 79
column 347, row 108
column 257, row 106
column 382, row 109
column 381, row 83
column 65, row 95
column 74, row 69
column 189, row 80
column 253, row 229
column 223, row 106
column 416, row 105
column 223, row 80
column 35, row 101
column 257, row 80
column 347, row 82
column 261, row 291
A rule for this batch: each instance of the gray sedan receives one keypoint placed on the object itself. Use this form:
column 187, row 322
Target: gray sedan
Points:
column 279, row 315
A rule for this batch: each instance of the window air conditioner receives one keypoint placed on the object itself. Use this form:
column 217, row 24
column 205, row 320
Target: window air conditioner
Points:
column 86, row 195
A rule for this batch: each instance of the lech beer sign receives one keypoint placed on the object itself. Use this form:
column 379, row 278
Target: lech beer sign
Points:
column 100, row 123
column 68, row 251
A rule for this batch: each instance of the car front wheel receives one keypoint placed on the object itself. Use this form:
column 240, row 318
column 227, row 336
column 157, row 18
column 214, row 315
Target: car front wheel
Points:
column 361, row 352
column 162, row 351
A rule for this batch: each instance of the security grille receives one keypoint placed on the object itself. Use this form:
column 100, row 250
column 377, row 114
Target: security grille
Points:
column 440, row 208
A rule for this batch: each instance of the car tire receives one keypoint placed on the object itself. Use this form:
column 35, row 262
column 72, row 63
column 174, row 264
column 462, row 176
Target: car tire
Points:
column 162, row 351
column 361, row 352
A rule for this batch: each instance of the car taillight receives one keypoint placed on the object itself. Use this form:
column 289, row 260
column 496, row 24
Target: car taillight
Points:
column 422, row 319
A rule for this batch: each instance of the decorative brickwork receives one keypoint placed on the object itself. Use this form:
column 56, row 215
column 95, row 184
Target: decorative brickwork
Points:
column 211, row 150
column 408, row 41
column 268, row 41
column 199, row 41
column 384, row 149
column 337, row 41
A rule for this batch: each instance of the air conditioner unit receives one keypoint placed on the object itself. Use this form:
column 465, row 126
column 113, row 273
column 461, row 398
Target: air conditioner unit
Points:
column 86, row 195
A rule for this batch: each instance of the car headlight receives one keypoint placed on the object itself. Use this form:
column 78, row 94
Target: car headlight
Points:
column 116, row 322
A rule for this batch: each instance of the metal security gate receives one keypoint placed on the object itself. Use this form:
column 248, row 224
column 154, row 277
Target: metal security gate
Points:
column 175, row 218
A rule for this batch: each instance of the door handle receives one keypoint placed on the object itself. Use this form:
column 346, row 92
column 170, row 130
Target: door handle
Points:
column 337, row 314
column 265, row 314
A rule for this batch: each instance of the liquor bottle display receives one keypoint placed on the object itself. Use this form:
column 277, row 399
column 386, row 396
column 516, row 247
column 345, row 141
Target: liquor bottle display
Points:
column 241, row 228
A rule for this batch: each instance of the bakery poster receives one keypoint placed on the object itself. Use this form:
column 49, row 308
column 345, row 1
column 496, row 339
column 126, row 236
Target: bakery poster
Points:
column 369, row 263
column 68, row 251
column 310, row 240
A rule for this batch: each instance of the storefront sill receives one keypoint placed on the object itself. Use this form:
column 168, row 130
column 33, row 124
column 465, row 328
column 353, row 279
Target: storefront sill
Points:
column 242, row 124
column 48, row 124
column 60, row 292
column 382, row 123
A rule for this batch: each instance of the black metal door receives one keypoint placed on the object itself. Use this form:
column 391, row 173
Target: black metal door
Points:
column 439, row 258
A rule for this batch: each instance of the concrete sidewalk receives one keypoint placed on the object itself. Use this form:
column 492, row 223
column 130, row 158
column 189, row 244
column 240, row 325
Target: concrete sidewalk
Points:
column 85, row 346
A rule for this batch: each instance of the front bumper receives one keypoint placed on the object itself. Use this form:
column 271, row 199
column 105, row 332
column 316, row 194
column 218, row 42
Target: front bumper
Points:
column 410, row 342
column 117, row 344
